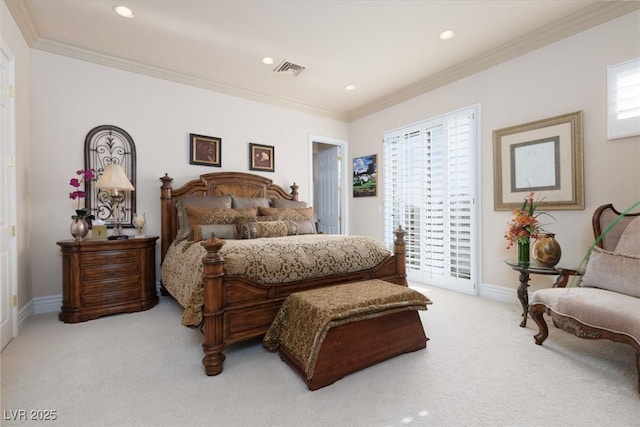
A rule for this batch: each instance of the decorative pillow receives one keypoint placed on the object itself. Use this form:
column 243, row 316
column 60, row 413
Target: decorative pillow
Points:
column 290, row 214
column 255, row 229
column 212, row 202
column 284, row 203
column 249, row 202
column 613, row 271
column 629, row 242
column 304, row 227
column 243, row 230
column 221, row 231
column 205, row 216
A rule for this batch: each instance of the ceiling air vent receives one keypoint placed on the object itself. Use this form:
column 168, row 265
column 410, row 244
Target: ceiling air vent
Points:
column 289, row 68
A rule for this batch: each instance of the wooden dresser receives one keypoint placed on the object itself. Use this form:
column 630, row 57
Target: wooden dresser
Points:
column 101, row 277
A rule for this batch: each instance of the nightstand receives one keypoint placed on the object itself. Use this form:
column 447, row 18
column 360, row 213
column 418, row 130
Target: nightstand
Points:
column 101, row 277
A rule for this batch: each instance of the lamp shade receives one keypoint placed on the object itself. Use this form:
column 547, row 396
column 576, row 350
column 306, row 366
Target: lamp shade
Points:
column 114, row 178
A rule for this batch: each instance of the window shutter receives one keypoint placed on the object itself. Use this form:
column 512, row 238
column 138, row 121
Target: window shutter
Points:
column 428, row 189
column 623, row 106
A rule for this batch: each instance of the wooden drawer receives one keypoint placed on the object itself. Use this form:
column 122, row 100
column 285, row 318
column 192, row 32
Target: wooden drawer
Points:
column 106, row 292
column 105, row 271
column 109, row 258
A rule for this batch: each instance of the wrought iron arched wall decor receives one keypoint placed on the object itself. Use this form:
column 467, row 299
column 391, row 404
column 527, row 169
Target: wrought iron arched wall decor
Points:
column 105, row 145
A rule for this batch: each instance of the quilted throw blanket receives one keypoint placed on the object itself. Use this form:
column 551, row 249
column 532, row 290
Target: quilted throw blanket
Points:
column 304, row 319
column 269, row 261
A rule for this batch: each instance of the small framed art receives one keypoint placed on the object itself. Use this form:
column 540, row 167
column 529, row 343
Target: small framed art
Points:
column 205, row 150
column 365, row 172
column 261, row 157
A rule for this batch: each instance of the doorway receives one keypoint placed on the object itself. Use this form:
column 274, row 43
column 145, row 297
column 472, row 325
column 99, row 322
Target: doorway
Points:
column 328, row 178
column 8, row 248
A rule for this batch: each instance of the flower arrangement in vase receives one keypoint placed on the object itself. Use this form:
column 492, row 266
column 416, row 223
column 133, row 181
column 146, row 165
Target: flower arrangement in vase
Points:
column 81, row 220
column 524, row 225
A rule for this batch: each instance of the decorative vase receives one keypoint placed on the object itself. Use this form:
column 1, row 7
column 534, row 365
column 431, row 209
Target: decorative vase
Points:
column 546, row 250
column 523, row 252
column 79, row 229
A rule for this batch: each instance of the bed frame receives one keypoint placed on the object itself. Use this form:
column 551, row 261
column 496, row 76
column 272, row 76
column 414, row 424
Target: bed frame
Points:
column 235, row 308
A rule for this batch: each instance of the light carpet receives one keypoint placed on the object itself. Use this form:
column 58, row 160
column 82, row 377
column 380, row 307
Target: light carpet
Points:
column 479, row 369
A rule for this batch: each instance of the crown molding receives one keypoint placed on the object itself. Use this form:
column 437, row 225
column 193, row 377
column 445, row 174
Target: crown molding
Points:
column 26, row 19
column 179, row 77
column 597, row 13
column 590, row 16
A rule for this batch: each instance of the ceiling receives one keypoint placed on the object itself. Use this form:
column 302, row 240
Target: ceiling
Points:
column 389, row 50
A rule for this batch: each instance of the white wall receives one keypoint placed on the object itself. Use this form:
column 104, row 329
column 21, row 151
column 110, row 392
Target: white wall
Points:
column 70, row 97
column 564, row 77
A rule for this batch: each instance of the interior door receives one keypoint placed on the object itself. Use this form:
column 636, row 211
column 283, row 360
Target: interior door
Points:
column 328, row 190
column 8, row 310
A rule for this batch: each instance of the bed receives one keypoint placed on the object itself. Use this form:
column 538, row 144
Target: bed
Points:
column 231, row 299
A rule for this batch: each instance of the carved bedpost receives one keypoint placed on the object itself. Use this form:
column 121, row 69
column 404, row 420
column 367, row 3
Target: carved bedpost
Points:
column 212, row 311
column 294, row 191
column 165, row 215
column 400, row 250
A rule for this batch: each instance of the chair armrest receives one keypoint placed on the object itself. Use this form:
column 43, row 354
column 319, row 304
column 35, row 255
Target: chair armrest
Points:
column 563, row 277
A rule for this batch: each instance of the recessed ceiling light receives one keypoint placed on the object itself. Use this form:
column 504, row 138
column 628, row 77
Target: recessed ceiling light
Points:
column 268, row 60
column 447, row 34
column 124, row 11
column 350, row 87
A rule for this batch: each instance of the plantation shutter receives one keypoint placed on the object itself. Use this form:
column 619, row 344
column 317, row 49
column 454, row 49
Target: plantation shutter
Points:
column 623, row 109
column 428, row 172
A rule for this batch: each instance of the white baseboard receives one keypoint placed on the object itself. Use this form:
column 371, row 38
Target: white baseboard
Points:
column 24, row 313
column 499, row 293
column 48, row 304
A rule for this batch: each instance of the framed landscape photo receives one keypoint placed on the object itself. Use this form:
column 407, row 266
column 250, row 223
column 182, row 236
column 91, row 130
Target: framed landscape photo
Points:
column 261, row 157
column 365, row 173
column 205, row 150
column 545, row 157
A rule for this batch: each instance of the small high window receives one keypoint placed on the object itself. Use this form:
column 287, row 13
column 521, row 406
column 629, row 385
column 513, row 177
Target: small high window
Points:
column 623, row 104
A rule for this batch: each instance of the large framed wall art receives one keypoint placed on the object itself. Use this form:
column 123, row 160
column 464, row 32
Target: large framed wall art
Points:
column 546, row 157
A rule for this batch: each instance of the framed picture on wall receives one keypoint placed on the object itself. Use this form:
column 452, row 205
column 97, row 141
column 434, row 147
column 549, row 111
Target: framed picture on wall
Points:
column 365, row 172
column 205, row 150
column 545, row 157
column 261, row 157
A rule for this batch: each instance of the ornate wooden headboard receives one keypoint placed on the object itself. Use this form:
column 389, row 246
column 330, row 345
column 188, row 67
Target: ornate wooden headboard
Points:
column 213, row 184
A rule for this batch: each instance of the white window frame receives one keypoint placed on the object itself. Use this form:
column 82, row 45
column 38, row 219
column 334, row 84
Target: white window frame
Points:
column 623, row 99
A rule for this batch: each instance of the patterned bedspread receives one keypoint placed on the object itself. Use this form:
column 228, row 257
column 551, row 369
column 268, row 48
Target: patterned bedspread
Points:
column 269, row 261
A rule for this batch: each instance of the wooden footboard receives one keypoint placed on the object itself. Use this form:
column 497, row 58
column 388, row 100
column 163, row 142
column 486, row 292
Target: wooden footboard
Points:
column 228, row 319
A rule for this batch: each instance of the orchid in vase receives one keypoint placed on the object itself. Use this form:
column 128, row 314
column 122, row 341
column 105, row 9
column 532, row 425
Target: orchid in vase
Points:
column 85, row 175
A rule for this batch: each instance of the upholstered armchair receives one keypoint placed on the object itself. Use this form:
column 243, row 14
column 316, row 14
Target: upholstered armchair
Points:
column 604, row 302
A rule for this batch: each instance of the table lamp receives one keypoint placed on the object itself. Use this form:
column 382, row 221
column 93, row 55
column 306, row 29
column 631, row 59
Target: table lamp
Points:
column 114, row 181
